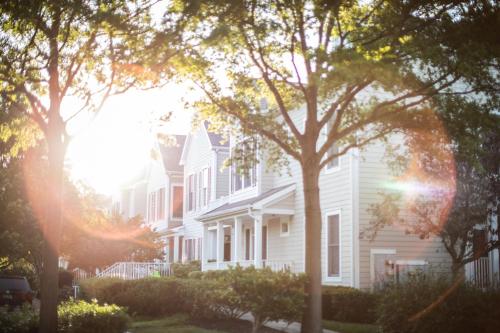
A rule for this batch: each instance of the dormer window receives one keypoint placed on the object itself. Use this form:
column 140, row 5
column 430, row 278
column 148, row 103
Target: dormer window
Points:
column 243, row 171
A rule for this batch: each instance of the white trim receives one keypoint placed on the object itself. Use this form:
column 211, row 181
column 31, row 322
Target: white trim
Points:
column 327, row 215
column 275, row 197
column 372, row 262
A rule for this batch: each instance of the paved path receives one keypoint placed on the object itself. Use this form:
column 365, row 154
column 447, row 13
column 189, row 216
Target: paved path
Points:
column 281, row 325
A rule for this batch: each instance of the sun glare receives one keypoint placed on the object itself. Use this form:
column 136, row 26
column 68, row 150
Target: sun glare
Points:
column 111, row 147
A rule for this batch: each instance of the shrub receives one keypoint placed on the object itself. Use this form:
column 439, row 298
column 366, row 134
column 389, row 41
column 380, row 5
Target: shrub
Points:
column 182, row 270
column 83, row 317
column 464, row 309
column 349, row 305
column 74, row 317
column 208, row 298
column 268, row 295
column 21, row 320
column 148, row 297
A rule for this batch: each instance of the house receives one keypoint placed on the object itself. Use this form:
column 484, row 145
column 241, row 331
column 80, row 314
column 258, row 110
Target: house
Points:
column 258, row 218
column 130, row 200
column 156, row 194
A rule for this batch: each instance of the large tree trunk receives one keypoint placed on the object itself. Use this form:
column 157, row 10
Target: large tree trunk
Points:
column 311, row 321
column 52, row 225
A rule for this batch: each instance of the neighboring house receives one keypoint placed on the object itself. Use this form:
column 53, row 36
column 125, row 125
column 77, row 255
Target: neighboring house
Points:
column 156, row 194
column 130, row 200
column 258, row 218
column 164, row 195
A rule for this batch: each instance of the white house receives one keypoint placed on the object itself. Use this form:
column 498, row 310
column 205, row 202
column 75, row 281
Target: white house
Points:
column 258, row 219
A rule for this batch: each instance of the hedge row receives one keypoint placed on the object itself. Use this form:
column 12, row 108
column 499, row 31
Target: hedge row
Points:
column 74, row 317
column 266, row 294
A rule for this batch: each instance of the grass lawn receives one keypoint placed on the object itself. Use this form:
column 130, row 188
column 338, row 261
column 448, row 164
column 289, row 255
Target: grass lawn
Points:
column 174, row 324
column 349, row 327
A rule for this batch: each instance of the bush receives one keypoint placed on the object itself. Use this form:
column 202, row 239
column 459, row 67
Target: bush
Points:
column 347, row 304
column 74, row 317
column 209, row 298
column 182, row 270
column 148, row 297
column 65, row 278
column 21, row 320
column 83, row 317
column 463, row 309
column 268, row 295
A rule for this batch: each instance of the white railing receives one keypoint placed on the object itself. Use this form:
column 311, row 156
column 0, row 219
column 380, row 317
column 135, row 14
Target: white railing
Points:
column 275, row 265
column 478, row 272
column 136, row 270
column 80, row 274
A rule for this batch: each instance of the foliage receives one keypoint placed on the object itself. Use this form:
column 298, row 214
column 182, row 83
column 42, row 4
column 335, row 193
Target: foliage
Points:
column 148, row 297
column 424, row 304
column 83, row 317
column 74, row 317
column 183, row 270
column 351, row 305
column 358, row 70
column 212, row 298
column 94, row 240
column 56, row 54
column 267, row 295
column 21, row 320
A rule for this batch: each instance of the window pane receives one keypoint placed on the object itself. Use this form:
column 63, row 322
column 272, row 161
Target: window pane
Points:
column 177, row 202
column 333, row 246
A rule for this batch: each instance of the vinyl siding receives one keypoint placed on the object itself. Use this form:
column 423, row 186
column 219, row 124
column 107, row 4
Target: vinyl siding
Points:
column 374, row 174
column 222, row 175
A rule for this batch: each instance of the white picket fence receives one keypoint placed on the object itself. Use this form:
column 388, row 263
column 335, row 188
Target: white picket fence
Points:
column 136, row 270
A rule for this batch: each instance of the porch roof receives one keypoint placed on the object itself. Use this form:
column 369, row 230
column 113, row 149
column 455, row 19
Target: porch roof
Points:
column 258, row 202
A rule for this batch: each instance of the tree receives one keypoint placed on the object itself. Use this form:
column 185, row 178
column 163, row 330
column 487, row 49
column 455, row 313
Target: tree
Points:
column 458, row 180
column 56, row 53
column 361, row 70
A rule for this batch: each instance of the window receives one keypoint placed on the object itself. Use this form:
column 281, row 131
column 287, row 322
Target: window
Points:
column 407, row 268
column 480, row 243
column 190, row 197
column 152, row 207
column 176, row 209
column 333, row 150
column 190, row 249
column 333, row 244
column 284, row 228
column 161, row 203
column 244, row 173
column 205, row 186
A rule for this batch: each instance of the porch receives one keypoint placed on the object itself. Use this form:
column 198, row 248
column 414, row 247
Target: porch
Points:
column 238, row 233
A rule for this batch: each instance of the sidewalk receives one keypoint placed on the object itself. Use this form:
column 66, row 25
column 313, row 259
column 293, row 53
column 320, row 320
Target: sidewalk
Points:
column 281, row 325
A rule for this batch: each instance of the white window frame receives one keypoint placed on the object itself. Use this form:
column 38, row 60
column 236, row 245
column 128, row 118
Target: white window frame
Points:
column 282, row 222
column 326, row 224
column 171, row 210
column 205, row 196
column 254, row 177
column 373, row 252
column 191, row 207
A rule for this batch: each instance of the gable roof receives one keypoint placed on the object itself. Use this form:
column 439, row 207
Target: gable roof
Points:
column 255, row 202
column 171, row 154
column 216, row 140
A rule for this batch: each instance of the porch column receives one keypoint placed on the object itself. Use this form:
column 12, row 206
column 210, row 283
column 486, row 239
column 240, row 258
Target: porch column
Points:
column 237, row 239
column 204, row 247
column 257, row 223
column 176, row 249
column 220, row 244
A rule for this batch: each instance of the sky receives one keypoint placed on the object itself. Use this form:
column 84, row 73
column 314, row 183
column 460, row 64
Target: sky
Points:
column 112, row 146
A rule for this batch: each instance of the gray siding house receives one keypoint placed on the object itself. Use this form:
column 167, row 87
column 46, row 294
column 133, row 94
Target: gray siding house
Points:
column 258, row 218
